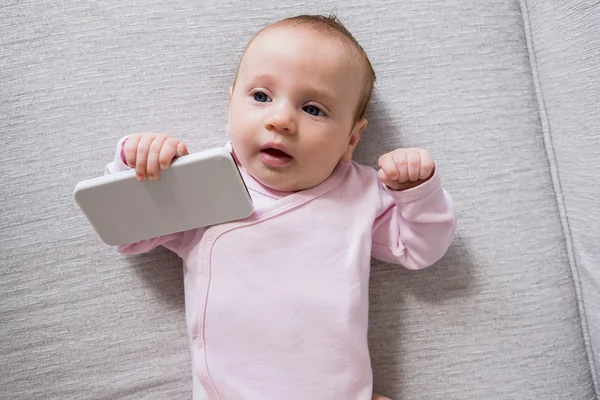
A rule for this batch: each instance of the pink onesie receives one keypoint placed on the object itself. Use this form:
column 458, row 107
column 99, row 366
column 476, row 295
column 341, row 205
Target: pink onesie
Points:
column 277, row 303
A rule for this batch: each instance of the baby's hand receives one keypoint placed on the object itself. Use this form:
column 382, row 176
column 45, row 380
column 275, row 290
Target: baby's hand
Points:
column 404, row 169
column 149, row 153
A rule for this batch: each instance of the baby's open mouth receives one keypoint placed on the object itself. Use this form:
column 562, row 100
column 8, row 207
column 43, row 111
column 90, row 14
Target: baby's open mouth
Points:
column 276, row 153
column 275, row 158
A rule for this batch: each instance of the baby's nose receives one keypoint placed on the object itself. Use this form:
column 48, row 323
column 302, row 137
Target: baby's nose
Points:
column 282, row 119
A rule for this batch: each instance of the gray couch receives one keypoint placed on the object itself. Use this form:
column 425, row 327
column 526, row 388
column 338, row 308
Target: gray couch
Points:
column 504, row 93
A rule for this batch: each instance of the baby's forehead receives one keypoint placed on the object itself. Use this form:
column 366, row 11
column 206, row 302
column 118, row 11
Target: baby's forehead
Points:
column 339, row 47
column 308, row 33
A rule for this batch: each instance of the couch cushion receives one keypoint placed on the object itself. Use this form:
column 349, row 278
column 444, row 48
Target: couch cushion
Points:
column 564, row 41
column 497, row 318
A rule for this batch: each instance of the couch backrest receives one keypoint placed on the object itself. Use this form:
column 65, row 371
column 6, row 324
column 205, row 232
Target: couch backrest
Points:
column 564, row 46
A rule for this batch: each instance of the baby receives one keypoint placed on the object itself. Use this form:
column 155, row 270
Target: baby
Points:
column 277, row 304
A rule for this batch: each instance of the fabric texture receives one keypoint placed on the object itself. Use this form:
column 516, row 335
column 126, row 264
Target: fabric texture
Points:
column 279, row 299
column 499, row 317
column 565, row 49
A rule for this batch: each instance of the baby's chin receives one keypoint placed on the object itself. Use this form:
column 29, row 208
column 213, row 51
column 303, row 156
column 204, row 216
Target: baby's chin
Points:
column 281, row 182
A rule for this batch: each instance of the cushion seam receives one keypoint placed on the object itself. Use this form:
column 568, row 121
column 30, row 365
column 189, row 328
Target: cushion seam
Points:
column 558, row 192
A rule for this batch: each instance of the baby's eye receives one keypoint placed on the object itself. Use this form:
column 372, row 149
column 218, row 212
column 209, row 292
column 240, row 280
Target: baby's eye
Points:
column 312, row 110
column 261, row 97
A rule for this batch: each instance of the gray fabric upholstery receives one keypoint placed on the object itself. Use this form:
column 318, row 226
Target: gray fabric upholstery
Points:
column 566, row 51
column 504, row 94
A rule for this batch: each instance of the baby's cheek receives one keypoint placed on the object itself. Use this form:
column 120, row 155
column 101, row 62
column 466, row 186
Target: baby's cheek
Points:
column 325, row 159
column 246, row 139
column 242, row 145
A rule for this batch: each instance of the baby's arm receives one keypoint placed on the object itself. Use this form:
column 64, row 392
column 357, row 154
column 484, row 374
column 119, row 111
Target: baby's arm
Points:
column 175, row 241
column 415, row 226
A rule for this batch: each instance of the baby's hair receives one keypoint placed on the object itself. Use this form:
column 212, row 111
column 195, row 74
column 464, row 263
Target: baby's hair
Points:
column 328, row 25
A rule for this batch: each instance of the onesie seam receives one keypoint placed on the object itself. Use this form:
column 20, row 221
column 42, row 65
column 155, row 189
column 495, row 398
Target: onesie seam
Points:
column 387, row 246
column 237, row 225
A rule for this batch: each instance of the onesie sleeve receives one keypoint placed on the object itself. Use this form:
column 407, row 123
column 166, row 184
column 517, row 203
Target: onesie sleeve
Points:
column 414, row 227
column 174, row 241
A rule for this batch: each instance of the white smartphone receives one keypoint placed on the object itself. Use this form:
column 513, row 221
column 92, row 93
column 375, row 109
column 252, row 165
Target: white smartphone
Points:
column 197, row 190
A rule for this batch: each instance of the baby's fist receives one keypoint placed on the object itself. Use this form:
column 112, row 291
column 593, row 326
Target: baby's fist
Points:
column 403, row 169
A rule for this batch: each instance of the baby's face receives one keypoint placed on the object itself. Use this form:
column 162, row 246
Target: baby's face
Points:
column 291, row 115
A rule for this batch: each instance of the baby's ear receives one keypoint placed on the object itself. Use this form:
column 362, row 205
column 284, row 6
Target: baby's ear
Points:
column 358, row 129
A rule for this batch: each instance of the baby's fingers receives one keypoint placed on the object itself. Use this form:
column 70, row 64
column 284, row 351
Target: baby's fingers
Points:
column 130, row 149
column 413, row 163
column 383, row 177
column 182, row 150
column 427, row 165
column 400, row 158
column 170, row 150
column 153, row 166
column 142, row 155
column 386, row 180
column 388, row 166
